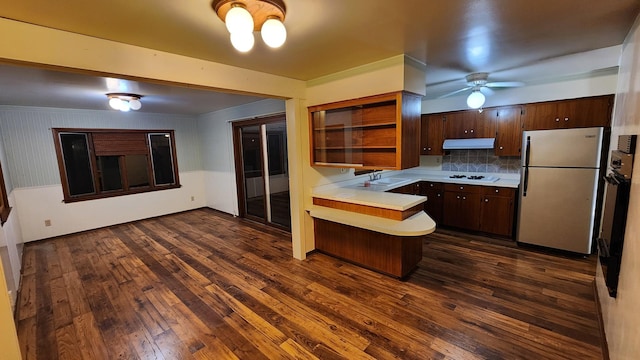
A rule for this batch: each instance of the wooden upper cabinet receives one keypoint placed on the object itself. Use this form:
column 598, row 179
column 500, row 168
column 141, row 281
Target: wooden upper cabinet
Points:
column 468, row 124
column 376, row 132
column 572, row 113
column 431, row 134
column 508, row 130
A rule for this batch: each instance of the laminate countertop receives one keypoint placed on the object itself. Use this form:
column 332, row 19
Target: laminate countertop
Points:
column 375, row 194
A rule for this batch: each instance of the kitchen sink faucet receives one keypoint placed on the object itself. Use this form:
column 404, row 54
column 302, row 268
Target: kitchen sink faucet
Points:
column 373, row 176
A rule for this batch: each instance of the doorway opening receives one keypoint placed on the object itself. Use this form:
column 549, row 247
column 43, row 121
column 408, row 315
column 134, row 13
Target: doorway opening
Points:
column 262, row 172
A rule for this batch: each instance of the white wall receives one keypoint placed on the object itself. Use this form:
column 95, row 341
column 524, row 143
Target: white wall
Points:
column 37, row 204
column 621, row 315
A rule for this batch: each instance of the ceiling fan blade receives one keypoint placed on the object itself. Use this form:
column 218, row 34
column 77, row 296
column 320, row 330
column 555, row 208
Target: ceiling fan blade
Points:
column 454, row 92
column 487, row 91
column 505, row 84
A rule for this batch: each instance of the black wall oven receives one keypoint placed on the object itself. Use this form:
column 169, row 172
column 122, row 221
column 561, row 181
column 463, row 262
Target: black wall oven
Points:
column 614, row 215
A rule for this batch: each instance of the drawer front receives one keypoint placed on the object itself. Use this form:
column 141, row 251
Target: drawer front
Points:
column 474, row 189
column 429, row 185
column 498, row 191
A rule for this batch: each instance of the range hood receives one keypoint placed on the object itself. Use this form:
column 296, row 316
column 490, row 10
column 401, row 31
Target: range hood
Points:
column 478, row 143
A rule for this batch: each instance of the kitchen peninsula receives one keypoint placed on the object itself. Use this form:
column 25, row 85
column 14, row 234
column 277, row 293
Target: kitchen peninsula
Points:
column 376, row 228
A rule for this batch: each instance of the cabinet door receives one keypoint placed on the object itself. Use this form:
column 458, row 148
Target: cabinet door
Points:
column 460, row 125
column 461, row 210
column 497, row 215
column 588, row 112
column 431, row 137
column 508, row 131
column 541, row 116
column 435, row 198
column 485, row 123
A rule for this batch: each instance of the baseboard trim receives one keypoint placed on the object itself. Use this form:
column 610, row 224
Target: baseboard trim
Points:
column 603, row 335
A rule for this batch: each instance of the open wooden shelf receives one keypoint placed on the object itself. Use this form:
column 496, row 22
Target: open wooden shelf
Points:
column 379, row 132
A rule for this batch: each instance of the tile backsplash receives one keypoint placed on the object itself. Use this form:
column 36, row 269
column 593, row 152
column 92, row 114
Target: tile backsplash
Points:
column 479, row 161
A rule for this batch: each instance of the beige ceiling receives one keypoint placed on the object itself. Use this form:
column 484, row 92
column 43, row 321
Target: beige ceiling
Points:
column 453, row 37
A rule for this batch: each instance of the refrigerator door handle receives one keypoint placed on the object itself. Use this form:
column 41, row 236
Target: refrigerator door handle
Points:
column 527, row 156
column 525, row 182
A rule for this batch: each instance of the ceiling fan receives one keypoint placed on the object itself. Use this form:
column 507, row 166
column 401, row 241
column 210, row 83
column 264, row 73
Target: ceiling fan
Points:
column 477, row 83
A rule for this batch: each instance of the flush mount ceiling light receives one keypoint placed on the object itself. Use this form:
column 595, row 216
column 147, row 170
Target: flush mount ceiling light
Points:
column 243, row 17
column 476, row 99
column 124, row 102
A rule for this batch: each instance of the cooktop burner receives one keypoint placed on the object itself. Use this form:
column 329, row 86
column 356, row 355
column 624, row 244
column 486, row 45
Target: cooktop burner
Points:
column 475, row 177
column 457, row 176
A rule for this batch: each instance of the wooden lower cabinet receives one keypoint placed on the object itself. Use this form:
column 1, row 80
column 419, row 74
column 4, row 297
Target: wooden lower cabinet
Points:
column 497, row 211
column 435, row 197
column 461, row 206
column 486, row 209
column 389, row 254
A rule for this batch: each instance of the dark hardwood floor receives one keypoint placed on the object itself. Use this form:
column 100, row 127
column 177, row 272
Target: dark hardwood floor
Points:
column 204, row 285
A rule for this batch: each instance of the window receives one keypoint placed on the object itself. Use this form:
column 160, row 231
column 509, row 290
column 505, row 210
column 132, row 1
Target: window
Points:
column 97, row 163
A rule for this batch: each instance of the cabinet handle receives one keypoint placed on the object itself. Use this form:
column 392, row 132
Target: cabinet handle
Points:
column 471, row 130
column 429, row 149
column 424, row 149
column 497, row 190
column 501, row 147
column 458, row 197
column 486, row 200
column 464, row 198
column 557, row 119
column 465, row 131
column 431, row 185
column 461, row 187
column 566, row 119
column 438, row 195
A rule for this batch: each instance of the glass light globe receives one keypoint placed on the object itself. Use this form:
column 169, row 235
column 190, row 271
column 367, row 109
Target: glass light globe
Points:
column 475, row 99
column 242, row 41
column 273, row 33
column 115, row 103
column 124, row 106
column 238, row 19
column 135, row 104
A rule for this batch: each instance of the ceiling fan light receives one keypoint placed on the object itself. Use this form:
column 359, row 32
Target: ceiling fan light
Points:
column 273, row 33
column 242, row 41
column 135, row 104
column 124, row 105
column 476, row 99
column 114, row 102
column 239, row 20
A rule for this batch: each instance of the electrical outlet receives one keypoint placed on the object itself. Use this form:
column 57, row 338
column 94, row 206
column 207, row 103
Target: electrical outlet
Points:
column 343, row 170
column 193, row 198
column 439, row 160
column 47, row 222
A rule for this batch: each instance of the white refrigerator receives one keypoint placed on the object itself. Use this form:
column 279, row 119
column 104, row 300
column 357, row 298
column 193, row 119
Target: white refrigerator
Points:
column 559, row 188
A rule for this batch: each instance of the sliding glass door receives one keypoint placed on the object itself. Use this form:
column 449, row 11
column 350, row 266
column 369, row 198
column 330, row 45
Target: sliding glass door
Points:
column 262, row 170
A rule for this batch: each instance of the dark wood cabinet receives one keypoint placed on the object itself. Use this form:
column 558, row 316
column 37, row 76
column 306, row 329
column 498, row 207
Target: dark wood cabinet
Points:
column 486, row 209
column 410, row 189
column 376, row 132
column 497, row 210
column 508, row 130
column 461, row 206
column 435, row 196
column 571, row 113
column 468, row 124
column 432, row 134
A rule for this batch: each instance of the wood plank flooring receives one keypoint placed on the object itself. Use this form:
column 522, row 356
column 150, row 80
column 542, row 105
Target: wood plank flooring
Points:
column 205, row 285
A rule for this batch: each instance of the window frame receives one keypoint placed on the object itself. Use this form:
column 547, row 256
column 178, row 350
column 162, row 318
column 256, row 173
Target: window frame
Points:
column 93, row 159
column 5, row 209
